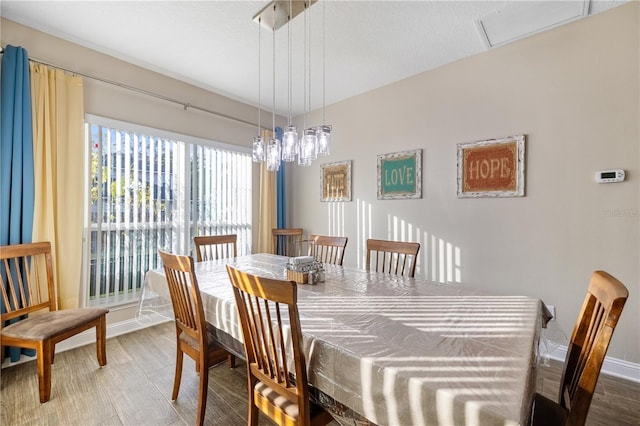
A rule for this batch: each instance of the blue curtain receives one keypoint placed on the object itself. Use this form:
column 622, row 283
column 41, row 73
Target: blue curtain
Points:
column 16, row 156
column 281, row 203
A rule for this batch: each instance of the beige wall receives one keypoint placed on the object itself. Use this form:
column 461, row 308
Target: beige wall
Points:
column 574, row 93
column 114, row 102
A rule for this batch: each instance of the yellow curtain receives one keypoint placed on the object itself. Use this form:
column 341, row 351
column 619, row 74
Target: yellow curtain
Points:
column 58, row 139
column 267, row 220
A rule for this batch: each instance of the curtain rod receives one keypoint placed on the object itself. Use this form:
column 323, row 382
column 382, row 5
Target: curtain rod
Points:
column 185, row 105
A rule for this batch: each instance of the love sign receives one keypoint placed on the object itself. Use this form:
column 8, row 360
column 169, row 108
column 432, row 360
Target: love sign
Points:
column 400, row 175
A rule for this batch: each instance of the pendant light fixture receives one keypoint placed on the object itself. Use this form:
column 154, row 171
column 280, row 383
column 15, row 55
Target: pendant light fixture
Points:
column 309, row 141
column 323, row 132
column 274, row 153
column 290, row 135
column 258, row 148
column 314, row 140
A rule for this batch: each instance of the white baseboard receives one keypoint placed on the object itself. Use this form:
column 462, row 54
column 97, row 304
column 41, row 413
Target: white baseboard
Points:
column 612, row 366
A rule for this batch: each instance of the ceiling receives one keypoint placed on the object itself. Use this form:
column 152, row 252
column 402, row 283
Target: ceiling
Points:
column 368, row 44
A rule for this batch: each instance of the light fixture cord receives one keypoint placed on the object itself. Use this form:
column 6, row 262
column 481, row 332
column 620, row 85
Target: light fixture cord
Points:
column 309, row 67
column 304, row 56
column 289, row 54
column 324, row 70
column 274, row 79
column 259, row 73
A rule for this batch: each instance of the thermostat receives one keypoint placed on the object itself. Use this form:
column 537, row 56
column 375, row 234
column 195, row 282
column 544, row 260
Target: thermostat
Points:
column 610, row 176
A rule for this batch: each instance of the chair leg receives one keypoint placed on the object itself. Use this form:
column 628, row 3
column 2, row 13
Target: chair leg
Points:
column 231, row 361
column 202, row 395
column 253, row 409
column 101, row 341
column 44, row 369
column 178, row 375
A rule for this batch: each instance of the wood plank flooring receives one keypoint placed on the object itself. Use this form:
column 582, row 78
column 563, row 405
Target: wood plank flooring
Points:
column 616, row 402
column 135, row 389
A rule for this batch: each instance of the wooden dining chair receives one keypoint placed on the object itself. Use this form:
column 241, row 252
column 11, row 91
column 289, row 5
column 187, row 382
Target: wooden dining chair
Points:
column 286, row 241
column 193, row 333
column 590, row 339
column 27, row 287
column 392, row 257
column 214, row 247
column 281, row 394
column 327, row 249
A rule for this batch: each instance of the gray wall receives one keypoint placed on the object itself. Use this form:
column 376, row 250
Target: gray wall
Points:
column 574, row 92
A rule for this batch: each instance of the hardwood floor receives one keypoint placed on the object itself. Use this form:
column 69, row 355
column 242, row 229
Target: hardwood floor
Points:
column 135, row 389
column 616, row 402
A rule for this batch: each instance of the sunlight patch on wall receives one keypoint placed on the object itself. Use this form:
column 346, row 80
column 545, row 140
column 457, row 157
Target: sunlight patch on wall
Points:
column 335, row 218
column 439, row 260
column 363, row 214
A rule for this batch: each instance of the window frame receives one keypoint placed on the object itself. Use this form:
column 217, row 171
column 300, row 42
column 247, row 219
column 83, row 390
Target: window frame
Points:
column 187, row 147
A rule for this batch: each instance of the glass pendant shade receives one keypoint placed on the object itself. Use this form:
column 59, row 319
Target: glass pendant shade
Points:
column 303, row 161
column 308, row 147
column 324, row 139
column 273, row 155
column 258, row 149
column 290, row 144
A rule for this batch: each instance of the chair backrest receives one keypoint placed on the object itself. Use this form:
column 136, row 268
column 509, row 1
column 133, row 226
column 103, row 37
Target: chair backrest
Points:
column 265, row 307
column 287, row 241
column 185, row 295
column 590, row 339
column 213, row 247
column 392, row 257
column 26, row 279
column 327, row 249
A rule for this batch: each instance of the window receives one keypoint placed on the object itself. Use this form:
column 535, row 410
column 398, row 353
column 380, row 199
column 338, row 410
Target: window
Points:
column 149, row 189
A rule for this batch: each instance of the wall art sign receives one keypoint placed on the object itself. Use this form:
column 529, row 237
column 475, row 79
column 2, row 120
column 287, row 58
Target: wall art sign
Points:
column 335, row 180
column 491, row 168
column 400, row 175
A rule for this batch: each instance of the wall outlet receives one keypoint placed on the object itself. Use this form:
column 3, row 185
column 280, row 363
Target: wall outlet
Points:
column 551, row 309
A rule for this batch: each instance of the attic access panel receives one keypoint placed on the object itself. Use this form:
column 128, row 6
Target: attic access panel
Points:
column 521, row 19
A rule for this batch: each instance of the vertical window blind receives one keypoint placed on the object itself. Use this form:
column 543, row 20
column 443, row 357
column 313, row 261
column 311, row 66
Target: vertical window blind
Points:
column 148, row 189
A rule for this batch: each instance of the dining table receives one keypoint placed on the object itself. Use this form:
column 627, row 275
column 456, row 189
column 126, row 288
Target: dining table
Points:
column 390, row 350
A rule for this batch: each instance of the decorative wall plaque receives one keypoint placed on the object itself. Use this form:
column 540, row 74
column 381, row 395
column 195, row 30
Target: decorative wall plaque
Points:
column 491, row 168
column 335, row 179
column 400, row 175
